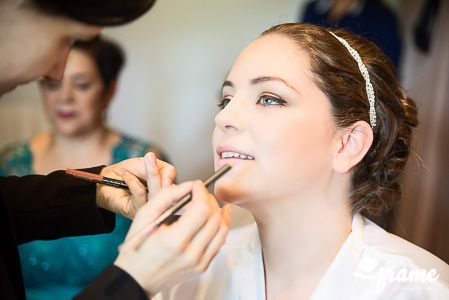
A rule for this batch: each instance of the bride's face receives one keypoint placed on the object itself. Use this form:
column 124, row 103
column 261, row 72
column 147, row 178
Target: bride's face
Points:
column 275, row 125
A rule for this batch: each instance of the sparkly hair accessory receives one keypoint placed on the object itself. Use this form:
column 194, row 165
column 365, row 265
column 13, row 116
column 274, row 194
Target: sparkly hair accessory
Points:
column 365, row 74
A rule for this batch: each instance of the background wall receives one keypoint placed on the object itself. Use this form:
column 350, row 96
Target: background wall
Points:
column 422, row 215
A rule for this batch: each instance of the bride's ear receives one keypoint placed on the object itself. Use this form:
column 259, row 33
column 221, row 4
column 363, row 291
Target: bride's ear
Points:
column 353, row 143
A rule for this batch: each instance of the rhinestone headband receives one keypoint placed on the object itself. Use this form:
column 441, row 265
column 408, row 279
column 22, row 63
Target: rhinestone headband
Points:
column 365, row 74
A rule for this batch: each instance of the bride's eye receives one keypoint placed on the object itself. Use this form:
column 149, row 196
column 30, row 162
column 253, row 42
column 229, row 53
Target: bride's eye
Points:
column 267, row 100
column 223, row 102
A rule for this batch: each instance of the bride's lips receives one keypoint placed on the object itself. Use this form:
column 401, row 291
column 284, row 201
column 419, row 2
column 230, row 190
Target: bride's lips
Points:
column 230, row 154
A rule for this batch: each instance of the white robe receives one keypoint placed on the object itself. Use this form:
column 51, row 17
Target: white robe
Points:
column 371, row 264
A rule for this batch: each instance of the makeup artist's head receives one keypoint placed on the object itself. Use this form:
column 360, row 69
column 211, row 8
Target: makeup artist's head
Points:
column 77, row 103
column 37, row 35
column 295, row 117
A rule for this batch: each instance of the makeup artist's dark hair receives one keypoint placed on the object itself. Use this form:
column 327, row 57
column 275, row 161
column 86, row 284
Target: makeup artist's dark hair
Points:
column 375, row 184
column 107, row 55
column 96, row 12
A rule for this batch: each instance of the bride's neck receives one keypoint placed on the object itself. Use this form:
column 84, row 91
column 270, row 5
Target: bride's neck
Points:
column 299, row 239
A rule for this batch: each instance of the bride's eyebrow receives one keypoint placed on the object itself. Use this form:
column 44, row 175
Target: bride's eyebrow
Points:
column 227, row 83
column 262, row 79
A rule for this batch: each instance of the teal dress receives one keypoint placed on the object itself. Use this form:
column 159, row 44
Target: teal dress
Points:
column 59, row 269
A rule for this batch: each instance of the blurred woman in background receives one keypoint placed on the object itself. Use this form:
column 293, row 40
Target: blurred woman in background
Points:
column 76, row 108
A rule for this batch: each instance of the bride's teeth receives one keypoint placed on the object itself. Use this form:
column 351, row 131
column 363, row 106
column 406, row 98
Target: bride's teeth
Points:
column 236, row 155
column 227, row 155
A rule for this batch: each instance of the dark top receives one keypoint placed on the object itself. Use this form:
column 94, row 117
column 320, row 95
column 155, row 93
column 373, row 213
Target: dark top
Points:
column 371, row 19
column 62, row 206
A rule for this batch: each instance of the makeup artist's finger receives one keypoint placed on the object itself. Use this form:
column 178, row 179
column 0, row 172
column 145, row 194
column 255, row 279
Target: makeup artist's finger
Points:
column 153, row 178
column 134, row 166
column 167, row 197
column 226, row 212
column 197, row 213
column 214, row 245
column 197, row 246
column 158, row 205
column 225, row 224
column 167, row 173
column 137, row 189
column 208, row 240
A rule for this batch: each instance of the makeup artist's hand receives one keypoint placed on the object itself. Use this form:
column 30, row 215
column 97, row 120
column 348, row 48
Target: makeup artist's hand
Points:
column 156, row 173
column 160, row 257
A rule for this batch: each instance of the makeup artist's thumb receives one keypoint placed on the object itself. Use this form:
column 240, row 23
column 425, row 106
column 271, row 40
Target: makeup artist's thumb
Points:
column 154, row 180
column 137, row 189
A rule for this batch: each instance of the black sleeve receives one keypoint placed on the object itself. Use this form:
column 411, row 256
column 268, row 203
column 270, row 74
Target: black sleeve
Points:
column 53, row 206
column 113, row 283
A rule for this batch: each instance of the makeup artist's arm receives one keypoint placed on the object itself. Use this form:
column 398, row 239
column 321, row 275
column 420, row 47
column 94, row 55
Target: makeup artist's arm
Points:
column 53, row 206
column 153, row 259
column 58, row 205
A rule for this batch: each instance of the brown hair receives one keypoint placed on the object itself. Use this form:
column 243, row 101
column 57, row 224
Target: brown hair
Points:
column 108, row 56
column 375, row 179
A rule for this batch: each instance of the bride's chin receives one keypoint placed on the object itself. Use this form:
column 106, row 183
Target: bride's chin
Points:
column 226, row 194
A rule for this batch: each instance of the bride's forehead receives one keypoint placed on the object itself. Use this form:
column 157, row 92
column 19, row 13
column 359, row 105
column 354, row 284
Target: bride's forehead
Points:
column 271, row 55
column 273, row 42
column 273, row 48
